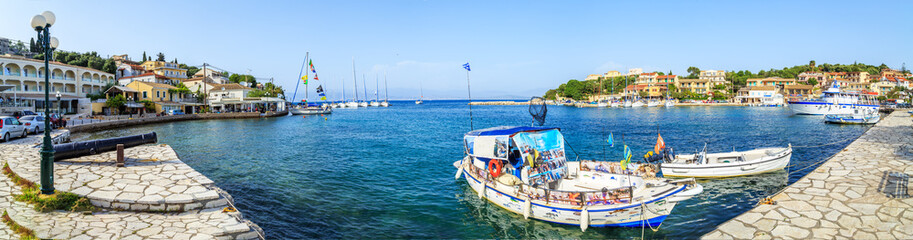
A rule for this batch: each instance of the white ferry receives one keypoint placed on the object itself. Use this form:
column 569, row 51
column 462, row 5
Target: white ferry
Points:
column 524, row 170
column 835, row 102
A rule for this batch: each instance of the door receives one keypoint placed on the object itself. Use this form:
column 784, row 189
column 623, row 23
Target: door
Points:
column 18, row 128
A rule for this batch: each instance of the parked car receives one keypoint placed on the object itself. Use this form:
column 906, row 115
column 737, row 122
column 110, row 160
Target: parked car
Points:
column 10, row 127
column 33, row 123
column 175, row 112
column 57, row 121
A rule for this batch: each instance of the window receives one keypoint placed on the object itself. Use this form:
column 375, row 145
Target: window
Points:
column 144, row 94
column 157, row 94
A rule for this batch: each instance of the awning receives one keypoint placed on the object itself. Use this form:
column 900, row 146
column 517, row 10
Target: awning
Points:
column 134, row 105
column 6, row 87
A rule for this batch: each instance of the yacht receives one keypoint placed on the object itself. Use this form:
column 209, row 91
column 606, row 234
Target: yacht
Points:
column 835, row 101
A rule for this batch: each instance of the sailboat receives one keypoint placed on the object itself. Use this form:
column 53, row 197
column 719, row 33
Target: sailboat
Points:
column 304, row 108
column 376, row 102
column 354, row 104
column 385, row 103
column 422, row 91
column 365, row 86
column 669, row 102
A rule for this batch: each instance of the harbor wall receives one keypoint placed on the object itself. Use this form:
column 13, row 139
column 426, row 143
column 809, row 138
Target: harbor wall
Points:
column 91, row 127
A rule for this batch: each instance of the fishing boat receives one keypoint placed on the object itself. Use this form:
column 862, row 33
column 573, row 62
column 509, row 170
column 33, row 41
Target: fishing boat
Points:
column 860, row 118
column 726, row 164
column 835, row 101
column 525, row 171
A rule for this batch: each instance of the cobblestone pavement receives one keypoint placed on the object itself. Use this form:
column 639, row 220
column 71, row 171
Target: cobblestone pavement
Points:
column 154, row 176
column 843, row 197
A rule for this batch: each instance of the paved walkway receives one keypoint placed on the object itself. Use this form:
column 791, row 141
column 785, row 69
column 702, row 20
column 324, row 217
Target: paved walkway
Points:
column 180, row 203
column 842, row 198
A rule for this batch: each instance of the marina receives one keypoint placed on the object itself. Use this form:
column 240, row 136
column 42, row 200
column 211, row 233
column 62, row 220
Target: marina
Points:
column 280, row 198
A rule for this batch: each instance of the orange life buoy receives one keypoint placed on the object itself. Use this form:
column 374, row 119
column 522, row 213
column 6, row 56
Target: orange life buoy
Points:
column 498, row 165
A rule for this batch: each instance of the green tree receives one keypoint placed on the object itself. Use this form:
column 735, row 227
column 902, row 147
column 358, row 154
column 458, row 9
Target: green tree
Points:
column 551, row 94
column 144, row 57
column 811, row 63
column 161, row 57
column 116, row 102
column 574, row 89
column 32, row 46
column 812, row 81
column 693, row 72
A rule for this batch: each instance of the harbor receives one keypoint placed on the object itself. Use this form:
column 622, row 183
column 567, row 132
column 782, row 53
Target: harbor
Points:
column 859, row 193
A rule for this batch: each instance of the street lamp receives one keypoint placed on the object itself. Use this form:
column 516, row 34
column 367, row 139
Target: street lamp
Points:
column 58, row 103
column 42, row 24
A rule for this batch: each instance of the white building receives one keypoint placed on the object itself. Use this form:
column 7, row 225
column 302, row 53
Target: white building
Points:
column 215, row 76
column 26, row 76
column 635, row 71
column 146, row 77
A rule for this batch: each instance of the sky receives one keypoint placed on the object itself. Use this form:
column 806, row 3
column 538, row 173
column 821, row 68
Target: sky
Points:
column 517, row 49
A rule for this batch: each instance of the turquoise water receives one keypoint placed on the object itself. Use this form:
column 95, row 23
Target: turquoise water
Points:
column 387, row 172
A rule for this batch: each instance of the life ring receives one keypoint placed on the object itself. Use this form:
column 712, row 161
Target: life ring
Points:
column 497, row 164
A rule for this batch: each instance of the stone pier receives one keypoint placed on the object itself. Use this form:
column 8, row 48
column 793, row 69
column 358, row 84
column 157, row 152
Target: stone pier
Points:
column 852, row 195
column 155, row 196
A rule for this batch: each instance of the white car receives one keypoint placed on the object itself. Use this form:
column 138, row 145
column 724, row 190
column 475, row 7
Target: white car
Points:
column 33, row 123
column 10, row 127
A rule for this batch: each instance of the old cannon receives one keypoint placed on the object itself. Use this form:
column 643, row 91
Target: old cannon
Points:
column 91, row 147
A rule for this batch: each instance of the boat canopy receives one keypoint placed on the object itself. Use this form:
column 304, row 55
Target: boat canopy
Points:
column 506, row 130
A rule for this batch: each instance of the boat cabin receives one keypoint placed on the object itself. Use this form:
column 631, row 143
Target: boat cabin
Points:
column 541, row 149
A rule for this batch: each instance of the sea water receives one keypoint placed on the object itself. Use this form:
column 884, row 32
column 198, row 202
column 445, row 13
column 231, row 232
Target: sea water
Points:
column 388, row 173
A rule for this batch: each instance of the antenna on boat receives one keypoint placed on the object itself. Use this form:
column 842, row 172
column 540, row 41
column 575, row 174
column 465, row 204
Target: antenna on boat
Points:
column 538, row 110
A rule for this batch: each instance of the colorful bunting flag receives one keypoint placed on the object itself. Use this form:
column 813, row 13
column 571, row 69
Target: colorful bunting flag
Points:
column 305, row 79
column 311, row 64
column 466, row 66
column 660, row 144
column 315, row 77
column 627, row 158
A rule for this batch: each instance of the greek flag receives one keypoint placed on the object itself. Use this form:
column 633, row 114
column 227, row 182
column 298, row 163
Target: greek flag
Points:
column 466, row 66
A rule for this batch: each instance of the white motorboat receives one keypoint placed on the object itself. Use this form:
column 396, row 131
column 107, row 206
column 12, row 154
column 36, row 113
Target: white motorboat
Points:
column 351, row 104
column 375, row 104
column 615, row 104
column 653, row 104
column 362, row 104
column 637, row 104
column 855, row 118
column 670, row 103
column 628, row 104
column 835, row 101
column 419, row 101
column 384, row 104
column 602, row 104
column 728, row 164
column 549, row 188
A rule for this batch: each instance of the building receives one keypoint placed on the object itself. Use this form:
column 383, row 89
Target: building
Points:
column 592, row 77
column 634, row 90
column 26, row 76
column 161, row 94
column 218, row 77
column 771, row 81
column 612, row 74
column 673, row 79
column 167, row 69
column 817, row 76
column 635, row 71
column 146, row 77
column 700, row 86
column 891, row 73
column 888, row 84
column 125, row 69
column 755, row 94
column 646, row 78
column 799, row 91
column 714, row 76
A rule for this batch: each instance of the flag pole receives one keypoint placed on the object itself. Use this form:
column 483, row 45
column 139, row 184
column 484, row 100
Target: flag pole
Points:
column 469, row 91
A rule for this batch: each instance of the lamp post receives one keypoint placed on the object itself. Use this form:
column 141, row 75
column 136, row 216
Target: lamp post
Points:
column 42, row 24
column 58, row 104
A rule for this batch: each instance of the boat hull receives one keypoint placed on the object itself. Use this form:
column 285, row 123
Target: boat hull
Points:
column 820, row 108
column 302, row 111
column 621, row 215
column 721, row 170
column 850, row 119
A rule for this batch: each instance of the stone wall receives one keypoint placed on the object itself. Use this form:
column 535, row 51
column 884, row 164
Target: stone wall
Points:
column 164, row 119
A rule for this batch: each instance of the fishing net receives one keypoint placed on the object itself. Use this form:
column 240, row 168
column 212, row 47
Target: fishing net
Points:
column 537, row 109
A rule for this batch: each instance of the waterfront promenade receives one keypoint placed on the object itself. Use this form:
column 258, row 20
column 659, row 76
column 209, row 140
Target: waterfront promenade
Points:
column 155, row 196
column 844, row 197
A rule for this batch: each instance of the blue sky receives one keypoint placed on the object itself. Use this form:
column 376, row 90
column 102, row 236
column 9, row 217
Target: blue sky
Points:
column 516, row 48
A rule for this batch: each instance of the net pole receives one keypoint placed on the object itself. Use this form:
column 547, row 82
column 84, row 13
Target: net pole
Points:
column 469, row 91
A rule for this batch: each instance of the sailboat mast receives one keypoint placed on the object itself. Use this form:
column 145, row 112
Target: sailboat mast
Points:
column 376, row 87
column 386, row 95
column 294, row 95
column 364, row 86
column 355, row 78
column 343, row 89
column 421, row 90
column 306, row 85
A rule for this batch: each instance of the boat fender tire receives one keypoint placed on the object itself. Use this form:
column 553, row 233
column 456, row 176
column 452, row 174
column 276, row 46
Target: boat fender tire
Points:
column 496, row 171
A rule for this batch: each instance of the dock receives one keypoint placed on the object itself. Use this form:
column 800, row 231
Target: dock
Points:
column 859, row 193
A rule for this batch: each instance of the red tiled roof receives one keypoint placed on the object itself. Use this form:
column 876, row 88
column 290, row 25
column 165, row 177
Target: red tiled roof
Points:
column 666, row 76
column 145, row 74
column 653, row 73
